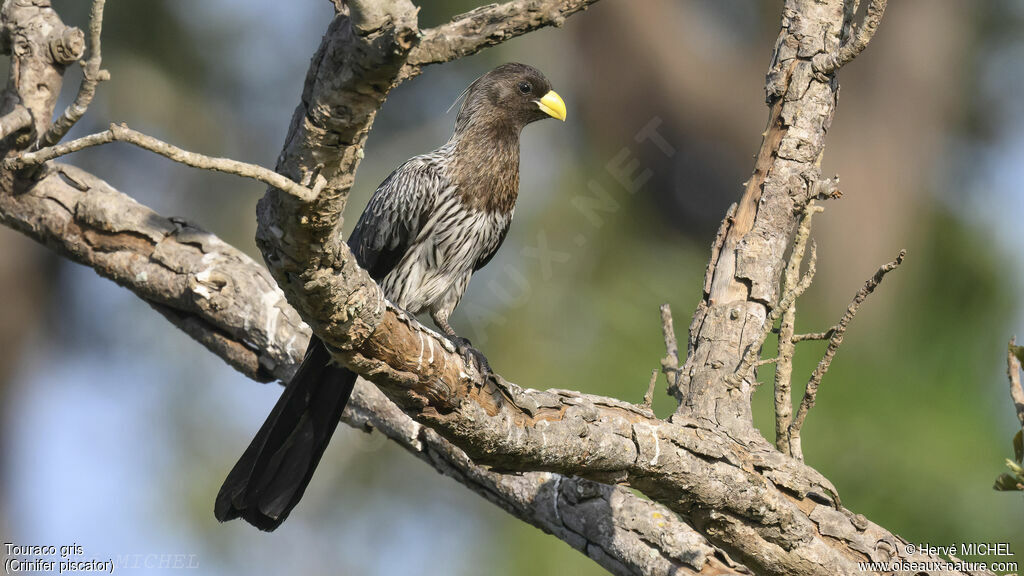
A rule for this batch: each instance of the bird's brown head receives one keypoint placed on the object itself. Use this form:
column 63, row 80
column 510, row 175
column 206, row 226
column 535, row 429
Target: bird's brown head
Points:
column 510, row 96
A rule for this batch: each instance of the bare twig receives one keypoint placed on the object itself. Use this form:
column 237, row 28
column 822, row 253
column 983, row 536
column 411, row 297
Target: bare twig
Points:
column 15, row 121
column 487, row 26
column 815, row 335
column 858, row 41
column 122, row 133
column 787, row 346
column 649, row 395
column 92, row 75
column 670, row 363
column 1013, row 368
column 833, row 344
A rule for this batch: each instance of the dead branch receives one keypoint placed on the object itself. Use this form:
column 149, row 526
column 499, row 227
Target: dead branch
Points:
column 92, row 75
column 855, row 44
column 670, row 363
column 122, row 133
column 787, row 346
column 814, row 336
column 226, row 301
column 838, row 332
column 487, row 26
column 769, row 510
column 230, row 304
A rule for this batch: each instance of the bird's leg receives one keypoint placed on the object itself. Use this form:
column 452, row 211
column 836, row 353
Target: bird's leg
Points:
column 464, row 347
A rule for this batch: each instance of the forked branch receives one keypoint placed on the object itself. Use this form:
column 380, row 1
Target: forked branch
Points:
column 92, row 75
column 838, row 332
column 856, row 43
column 122, row 133
column 787, row 346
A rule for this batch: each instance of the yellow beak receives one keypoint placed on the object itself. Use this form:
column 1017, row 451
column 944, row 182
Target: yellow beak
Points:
column 552, row 105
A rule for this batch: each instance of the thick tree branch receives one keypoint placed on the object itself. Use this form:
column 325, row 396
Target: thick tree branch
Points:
column 229, row 303
column 699, row 471
column 774, row 513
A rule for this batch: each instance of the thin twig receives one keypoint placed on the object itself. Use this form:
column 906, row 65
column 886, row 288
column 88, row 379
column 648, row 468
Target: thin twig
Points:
column 92, row 75
column 815, row 335
column 670, row 363
column 1013, row 372
column 830, row 351
column 787, row 327
column 122, row 133
column 766, row 361
column 858, row 41
column 649, row 395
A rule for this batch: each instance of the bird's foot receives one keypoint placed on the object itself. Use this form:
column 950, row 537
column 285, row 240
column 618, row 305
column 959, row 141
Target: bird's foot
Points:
column 470, row 354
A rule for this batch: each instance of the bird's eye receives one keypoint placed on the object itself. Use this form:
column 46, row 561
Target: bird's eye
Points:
column 525, row 87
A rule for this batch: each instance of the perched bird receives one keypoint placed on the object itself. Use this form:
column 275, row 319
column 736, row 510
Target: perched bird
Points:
column 432, row 223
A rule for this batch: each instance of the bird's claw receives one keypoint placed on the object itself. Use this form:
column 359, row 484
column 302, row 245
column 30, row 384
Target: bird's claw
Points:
column 470, row 354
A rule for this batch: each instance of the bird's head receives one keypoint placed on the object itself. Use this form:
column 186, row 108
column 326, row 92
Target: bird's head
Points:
column 511, row 94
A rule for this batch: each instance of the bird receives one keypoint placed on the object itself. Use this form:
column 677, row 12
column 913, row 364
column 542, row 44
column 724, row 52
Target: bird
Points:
column 431, row 224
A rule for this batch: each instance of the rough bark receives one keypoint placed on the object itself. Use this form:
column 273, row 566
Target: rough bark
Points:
column 230, row 304
column 707, row 464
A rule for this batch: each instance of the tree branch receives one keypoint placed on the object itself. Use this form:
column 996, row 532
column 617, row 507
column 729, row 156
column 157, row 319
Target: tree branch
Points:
column 838, row 332
column 787, row 346
column 487, row 26
column 858, row 41
column 92, row 75
column 670, row 363
column 701, row 472
column 122, row 133
column 773, row 512
column 230, row 304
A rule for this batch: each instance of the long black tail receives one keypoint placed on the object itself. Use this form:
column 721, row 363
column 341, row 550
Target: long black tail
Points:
column 271, row 476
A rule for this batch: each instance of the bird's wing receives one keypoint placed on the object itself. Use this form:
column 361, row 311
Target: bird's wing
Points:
column 397, row 212
column 504, row 224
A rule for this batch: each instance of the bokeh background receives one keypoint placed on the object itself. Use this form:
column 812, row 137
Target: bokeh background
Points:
column 117, row 429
